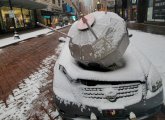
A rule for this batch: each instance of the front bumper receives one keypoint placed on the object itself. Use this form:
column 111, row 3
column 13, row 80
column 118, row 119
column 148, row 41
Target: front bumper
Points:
column 142, row 109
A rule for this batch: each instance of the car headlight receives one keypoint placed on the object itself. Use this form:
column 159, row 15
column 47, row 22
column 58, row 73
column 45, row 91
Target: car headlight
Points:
column 154, row 80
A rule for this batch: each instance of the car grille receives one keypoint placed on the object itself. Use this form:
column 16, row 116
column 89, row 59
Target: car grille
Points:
column 122, row 90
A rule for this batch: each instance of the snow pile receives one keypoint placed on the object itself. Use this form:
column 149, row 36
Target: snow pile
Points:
column 21, row 101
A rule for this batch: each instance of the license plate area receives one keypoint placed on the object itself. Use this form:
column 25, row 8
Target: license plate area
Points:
column 114, row 113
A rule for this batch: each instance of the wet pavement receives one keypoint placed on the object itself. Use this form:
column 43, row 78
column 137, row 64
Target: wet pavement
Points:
column 155, row 29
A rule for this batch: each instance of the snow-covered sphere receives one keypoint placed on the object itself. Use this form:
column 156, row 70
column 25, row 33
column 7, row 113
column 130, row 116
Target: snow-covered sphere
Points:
column 111, row 44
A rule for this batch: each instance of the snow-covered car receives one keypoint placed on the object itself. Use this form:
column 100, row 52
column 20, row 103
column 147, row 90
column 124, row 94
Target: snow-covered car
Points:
column 131, row 86
column 100, row 74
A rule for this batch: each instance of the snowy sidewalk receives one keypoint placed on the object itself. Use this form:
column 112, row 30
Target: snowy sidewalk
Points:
column 8, row 41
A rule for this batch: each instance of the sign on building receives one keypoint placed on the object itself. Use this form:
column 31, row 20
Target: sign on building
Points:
column 158, row 9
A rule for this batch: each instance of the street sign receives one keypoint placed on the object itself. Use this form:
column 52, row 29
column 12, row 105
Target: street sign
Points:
column 11, row 14
column 158, row 9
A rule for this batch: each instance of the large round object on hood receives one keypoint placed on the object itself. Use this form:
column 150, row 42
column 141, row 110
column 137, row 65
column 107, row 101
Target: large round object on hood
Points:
column 110, row 44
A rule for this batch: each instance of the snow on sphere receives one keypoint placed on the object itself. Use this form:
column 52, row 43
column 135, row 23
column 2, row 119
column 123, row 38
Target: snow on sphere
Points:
column 108, row 48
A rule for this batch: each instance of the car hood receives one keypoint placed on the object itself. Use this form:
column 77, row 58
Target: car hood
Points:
column 134, row 67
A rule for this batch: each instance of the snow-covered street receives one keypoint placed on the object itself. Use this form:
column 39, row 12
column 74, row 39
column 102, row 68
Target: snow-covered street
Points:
column 34, row 91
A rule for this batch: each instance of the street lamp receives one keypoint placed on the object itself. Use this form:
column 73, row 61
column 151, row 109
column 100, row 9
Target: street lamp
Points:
column 98, row 2
column 98, row 5
column 115, row 6
column 12, row 16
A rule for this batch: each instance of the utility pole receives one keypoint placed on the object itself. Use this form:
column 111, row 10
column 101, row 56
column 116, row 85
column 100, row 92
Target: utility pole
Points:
column 123, row 9
column 12, row 16
column 142, row 10
column 115, row 6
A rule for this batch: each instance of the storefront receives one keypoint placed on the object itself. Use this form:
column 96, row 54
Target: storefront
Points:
column 52, row 19
column 24, row 16
column 68, row 15
column 132, row 10
column 156, row 10
column 46, row 16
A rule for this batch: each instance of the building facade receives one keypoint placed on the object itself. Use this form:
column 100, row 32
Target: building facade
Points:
column 132, row 10
column 156, row 10
column 146, row 10
column 70, row 13
column 51, row 15
column 23, row 14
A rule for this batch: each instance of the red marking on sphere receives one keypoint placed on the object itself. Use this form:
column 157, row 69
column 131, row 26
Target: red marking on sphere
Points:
column 82, row 26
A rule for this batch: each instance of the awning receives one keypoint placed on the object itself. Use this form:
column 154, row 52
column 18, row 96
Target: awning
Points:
column 28, row 4
column 50, row 13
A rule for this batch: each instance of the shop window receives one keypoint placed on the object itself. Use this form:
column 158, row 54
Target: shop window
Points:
column 1, row 21
column 0, row 24
column 26, row 17
column 23, row 18
column 7, row 21
column 18, row 17
column 32, row 18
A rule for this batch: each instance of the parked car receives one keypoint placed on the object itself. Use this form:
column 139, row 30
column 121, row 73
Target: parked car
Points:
column 129, row 88
column 132, row 85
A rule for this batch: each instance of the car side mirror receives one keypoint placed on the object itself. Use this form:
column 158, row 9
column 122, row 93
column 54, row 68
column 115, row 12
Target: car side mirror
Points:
column 130, row 35
column 62, row 39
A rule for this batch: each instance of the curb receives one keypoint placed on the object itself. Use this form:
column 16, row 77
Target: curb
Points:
column 45, row 34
